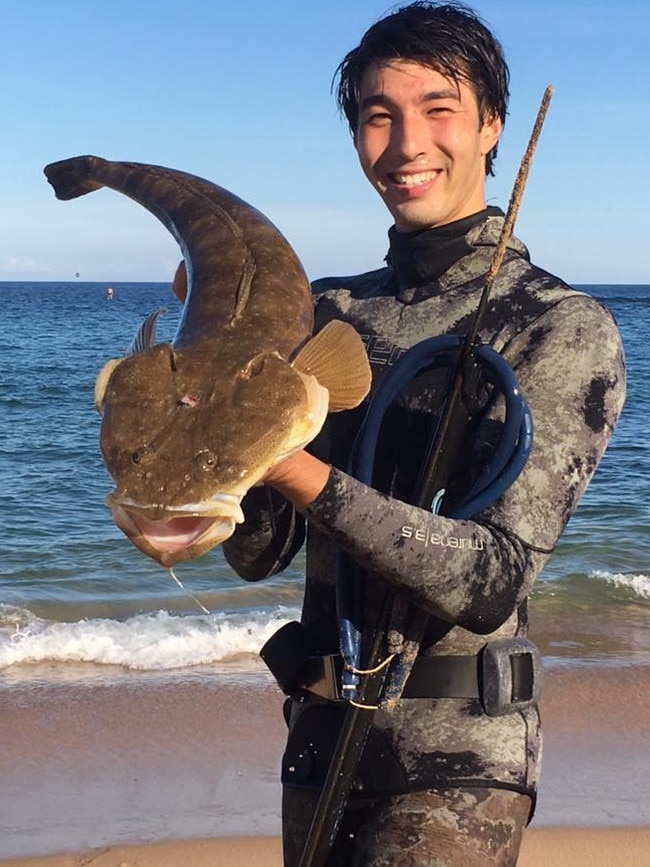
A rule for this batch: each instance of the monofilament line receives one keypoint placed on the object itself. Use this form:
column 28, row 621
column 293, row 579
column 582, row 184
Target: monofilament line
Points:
column 187, row 592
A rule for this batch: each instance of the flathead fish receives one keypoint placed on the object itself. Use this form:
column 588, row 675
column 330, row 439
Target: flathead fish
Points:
column 188, row 427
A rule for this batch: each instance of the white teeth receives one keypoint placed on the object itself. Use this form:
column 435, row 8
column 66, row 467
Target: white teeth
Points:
column 414, row 180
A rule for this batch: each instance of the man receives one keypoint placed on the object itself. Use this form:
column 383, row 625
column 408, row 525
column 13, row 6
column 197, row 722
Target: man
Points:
column 443, row 780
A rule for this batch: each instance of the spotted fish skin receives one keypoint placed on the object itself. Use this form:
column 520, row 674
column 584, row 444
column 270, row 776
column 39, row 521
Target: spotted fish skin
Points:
column 189, row 426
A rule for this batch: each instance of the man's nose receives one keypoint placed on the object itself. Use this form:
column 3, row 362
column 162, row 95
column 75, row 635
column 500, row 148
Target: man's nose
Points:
column 410, row 136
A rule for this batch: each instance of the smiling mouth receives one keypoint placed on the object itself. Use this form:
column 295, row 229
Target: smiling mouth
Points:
column 414, row 179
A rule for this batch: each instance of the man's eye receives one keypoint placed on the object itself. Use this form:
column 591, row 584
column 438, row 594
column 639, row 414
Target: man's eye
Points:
column 440, row 110
column 377, row 117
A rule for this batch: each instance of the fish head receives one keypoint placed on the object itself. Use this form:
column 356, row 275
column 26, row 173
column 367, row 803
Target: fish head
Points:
column 186, row 434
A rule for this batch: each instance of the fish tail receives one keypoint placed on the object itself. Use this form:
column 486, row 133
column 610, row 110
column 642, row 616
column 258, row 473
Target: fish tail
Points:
column 73, row 177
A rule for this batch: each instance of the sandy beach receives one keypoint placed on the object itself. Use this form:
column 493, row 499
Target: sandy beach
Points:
column 152, row 771
column 556, row 847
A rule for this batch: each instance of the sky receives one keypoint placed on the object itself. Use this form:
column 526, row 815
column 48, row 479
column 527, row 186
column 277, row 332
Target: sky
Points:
column 240, row 93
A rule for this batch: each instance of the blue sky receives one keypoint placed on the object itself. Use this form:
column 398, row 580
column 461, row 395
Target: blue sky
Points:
column 240, row 93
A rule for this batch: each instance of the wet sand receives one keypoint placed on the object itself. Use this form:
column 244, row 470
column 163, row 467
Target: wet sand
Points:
column 188, row 765
column 552, row 847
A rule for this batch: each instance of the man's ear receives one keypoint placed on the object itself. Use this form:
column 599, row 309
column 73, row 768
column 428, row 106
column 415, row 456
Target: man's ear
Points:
column 490, row 133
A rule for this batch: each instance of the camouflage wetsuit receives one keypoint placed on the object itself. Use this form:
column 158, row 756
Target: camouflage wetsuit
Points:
column 442, row 782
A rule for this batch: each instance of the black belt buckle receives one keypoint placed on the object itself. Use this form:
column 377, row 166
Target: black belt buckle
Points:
column 511, row 675
column 322, row 676
column 288, row 655
column 285, row 653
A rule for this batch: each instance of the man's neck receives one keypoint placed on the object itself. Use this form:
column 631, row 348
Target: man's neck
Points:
column 421, row 256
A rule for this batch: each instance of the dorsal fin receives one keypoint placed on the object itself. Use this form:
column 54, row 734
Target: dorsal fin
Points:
column 337, row 358
column 146, row 336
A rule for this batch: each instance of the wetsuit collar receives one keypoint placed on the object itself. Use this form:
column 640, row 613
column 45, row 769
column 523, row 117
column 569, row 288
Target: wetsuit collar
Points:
column 421, row 257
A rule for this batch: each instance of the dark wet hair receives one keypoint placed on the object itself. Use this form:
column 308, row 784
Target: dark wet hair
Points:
column 447, row 37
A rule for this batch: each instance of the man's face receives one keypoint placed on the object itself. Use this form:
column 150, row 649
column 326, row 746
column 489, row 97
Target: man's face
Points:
column 422, row 145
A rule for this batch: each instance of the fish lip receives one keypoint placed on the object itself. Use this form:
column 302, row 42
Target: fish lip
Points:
column 219, row 506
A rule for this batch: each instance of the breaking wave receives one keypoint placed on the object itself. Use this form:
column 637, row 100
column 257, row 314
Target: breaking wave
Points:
column 155, row 641
column 631, row 586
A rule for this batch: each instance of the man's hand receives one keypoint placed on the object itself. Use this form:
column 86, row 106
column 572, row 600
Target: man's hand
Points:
column 179, row 283
column 300, row 478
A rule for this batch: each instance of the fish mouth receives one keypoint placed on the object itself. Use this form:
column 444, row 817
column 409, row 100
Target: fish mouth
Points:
column 171, row 536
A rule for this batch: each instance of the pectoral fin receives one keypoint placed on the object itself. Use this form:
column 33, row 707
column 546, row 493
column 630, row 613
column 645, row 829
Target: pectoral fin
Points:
column 102, row 381
column 337, row 358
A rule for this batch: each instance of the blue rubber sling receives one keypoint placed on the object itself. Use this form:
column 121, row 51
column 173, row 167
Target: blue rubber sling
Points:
column 496, row 477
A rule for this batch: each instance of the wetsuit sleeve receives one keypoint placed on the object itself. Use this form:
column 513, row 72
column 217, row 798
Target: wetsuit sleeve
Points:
column 475, row 573
column 270, row 537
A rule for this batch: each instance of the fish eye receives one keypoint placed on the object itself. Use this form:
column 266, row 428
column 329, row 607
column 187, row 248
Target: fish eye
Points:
column 206, row 459
column 139, row 455
column 254, row 367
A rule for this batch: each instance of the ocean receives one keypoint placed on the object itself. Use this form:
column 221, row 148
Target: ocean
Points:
column 78, row 600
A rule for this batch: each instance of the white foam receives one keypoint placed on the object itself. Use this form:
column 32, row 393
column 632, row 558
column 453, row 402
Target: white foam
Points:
column 155, row 641
column 639, row 585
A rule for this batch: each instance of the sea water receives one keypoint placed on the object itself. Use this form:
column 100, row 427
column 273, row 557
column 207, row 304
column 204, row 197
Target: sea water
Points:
column 74, row 591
